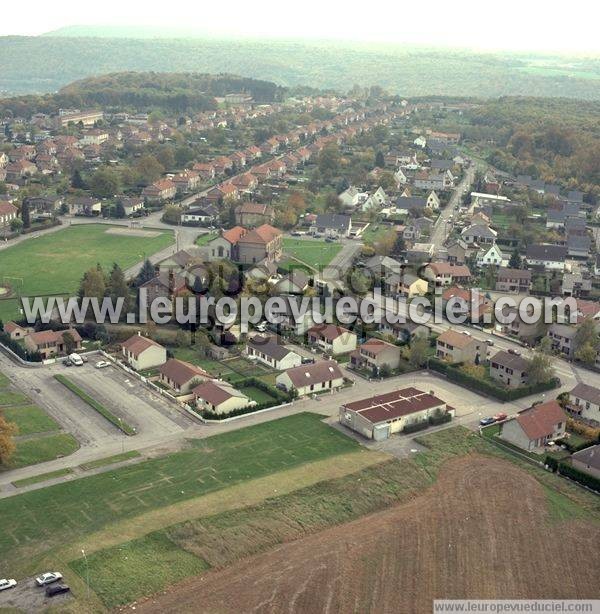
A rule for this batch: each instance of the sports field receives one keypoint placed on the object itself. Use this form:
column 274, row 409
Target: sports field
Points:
column 54, row 264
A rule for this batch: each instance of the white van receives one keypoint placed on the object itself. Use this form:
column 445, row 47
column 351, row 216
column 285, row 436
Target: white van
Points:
column 76, row 360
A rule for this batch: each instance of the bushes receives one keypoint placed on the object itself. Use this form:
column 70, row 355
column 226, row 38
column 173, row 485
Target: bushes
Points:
column 579, row 476
column 440, row 417
column 19, row 349
column 499, row 392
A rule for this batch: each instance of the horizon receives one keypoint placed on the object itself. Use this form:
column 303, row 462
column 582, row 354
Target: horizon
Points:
column 466, row 25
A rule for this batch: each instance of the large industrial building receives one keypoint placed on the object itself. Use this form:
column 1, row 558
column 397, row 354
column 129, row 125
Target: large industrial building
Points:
column 380, row 416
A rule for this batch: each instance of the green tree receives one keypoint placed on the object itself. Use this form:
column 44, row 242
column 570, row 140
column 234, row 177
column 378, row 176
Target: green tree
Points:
column 93, row 283
column 149, row 169
column 25, row 215
column 587, row 354
column 515, row 260
column 380, row 159
column 105, row 182
column 117, row 286
column 147, row 272
column 16, row 224
column 540, row 367
column 586, row 333
column 77, row 182
column 417, row 353
column 119, row 210
column 172, row 214
column 70, row 343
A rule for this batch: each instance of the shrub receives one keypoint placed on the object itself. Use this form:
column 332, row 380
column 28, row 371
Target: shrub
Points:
column 18, row 349
column 575, row 474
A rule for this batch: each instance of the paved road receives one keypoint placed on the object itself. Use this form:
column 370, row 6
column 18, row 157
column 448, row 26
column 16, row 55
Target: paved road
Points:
column 443, row 225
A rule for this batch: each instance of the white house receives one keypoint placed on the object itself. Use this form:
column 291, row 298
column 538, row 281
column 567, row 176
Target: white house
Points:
column 142, row 353
column 309, row 379
column 220, row 397
column 584, row 400
column 265, row 349
column 492, row 256
column 332, row 339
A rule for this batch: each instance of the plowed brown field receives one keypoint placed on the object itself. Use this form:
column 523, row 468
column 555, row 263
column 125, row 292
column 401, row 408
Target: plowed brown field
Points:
column 483, row 531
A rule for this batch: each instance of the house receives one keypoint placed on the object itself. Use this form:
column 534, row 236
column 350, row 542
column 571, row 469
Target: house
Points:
column 480, row 199
column 562, row 337
column 8, row 213
column 186, row 181
column 19, row 171
column 251, row 215
column 457, row 251
column 584, row 400
column 411, row 204
column 515, row 281
column 142, row 353
column 225, row 245
column 374, row 355
column 131, row 204
column 267, row 350
column 181, row 376
column 380, row 416
column 245, row 183
column 578, row 245
column 431, row 180
column 546, row 256
column 200, row 213
column 491, row 257
column 85, row 205
column 475, row 302
column 532, row 428
column 443, row 274
column 332, row 225
column 51, row 343
column 458, row 347
column 350, row 197
column 219, row 397
column 576, row 284
column 293, row 319
column 517, row 327
column 433, row 201
column 332, row 339
column 406, row 284
column 380, row 266
column 403, row 332
column 509, row 369
column 312, row 378
column 479, row 234
column 262, row 243
column 160, row 191
column 296, row 282
column 205, row 170
column 376, row 200
column 15, row 332
column 588, row 460
column 167, row 283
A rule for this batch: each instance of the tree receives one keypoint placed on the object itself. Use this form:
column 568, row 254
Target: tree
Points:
column 386, row 243
column 25, row 215
column 166, row 156
column 8, row 430
column 147, row 272
column 117, row 286
column 16, row 224
column 379, row 159
column 93, row 283
column 119, row 210
column 417, row 353
column 183, row 155
column 149, row 169
column 587, row 354
column 77, row 182
column 540, row 367
column 105, row 182
column 172, row 214
column 515, row 260
column 586, row 334
column 70, row 343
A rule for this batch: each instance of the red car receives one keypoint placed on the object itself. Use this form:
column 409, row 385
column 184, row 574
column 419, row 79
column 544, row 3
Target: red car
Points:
column 499, row 417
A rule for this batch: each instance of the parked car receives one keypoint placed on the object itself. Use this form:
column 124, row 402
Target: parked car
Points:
column 6, row 584
column 501, row 416
column 57, row 589
column 308, row 361
column 486, row 421
column 489, row 342
column 48, row 578
column 514, row 352
column 67, row 363
column 296, row 233
column 102, row 364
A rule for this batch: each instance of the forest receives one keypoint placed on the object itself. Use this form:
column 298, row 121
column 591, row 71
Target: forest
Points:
column 47, row 63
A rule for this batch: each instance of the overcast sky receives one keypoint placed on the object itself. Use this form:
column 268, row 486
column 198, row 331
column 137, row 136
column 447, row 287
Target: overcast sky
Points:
column 509, row 24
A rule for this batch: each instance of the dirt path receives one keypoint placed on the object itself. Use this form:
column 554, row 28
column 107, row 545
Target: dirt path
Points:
column 483, row 531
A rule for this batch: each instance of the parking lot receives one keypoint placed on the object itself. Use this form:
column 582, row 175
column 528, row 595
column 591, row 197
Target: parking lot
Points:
column 28, row 597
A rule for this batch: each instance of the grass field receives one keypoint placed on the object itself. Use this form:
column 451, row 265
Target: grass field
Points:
column 311, row 251
column 258, row 395
column 205, row 238
column 110, row 460
column 30, row 419
column 53, row 264
column 47, row 516
column 42, row 449
column 43, row 477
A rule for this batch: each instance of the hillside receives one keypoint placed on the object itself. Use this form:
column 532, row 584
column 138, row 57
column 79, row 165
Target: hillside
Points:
column 46, row 63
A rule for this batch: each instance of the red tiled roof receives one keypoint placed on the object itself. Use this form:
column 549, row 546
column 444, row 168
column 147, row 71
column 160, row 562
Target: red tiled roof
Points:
column 181, row 372
column 316, row 373
column 6, row 208
column 52, row 336
column 328, row 331
column 540, row 420
column 137, row 344
column 445, row 268
column 394, row 404
column 233, row 235
column 263, row 234
column 456, row 339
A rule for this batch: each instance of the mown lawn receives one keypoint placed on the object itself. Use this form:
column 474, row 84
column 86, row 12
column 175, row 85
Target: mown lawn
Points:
column 42, row 449
column 30, row 419
column 43, row 477
column 311, row 251
column 48, row 516
column 256, row 394
column 53, row 264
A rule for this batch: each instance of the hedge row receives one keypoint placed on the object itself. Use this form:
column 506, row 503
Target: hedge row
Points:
column 577, row 475
column 84, row 396
column 20, row 350
column 503, row 394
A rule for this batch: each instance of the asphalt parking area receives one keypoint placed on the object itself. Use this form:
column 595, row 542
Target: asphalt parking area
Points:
column 127, row 398
column 28, row 597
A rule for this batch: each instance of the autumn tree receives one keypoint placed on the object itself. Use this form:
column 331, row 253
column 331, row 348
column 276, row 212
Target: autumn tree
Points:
column 149, row 169
column 93, row 283
column 417, row 353
column 540, row 368
column 105, row 182
column 8, row 430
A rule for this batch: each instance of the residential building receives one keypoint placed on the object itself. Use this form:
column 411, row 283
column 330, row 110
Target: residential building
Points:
column 491, row 257
column 458, row 347
column 85, row 205
column 142, row 353
column 181, row 376
column 132, row 204
column 16, row 332
column 262, row 243
column 546, row 256
column 403, row 332
column 266, row 349
column 332, row 225
column 374, row 355
column 160, row 191
column 380, row 416
column 442, row 274
column 251, row 215
column 8, row 213
column 220, row 397
column 584, row 400
column 50, row 343
column 588, row 460
column 509, row 369
column 479, row 234
column 516, row 281
column 562, row 337
column 531, row 429
column 332, row 339
column 225, row 245
column 312, row 378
